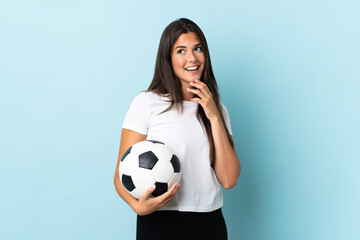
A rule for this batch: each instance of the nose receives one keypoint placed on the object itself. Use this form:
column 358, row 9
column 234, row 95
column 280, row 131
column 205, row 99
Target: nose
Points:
column 192, row 57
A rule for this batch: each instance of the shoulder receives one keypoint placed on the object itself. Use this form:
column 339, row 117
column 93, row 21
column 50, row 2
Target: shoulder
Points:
column 139, row 100
column 225, row 113
column 224, row 109
column 147, row 98
column 226, row 117
column 150, row 96
column 144, row 96
column 223, row 105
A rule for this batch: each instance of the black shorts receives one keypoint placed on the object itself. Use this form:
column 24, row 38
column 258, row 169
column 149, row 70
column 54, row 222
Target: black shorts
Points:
column 173, row 225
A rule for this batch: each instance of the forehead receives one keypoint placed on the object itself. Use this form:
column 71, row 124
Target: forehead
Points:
column 189, row 39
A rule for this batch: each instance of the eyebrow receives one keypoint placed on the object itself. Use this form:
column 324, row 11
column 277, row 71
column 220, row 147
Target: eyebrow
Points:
column 185, row 46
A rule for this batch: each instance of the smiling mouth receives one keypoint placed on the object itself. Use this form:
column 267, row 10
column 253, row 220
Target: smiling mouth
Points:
column 192, row 69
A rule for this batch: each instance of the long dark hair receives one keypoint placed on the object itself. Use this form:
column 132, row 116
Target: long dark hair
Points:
column 165, row 81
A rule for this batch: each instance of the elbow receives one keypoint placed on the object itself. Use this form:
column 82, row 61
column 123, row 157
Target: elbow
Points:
column 231, row 182
column 229, row 185
column 116, row 180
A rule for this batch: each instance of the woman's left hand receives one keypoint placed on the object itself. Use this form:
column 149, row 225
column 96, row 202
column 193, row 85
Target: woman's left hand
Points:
column 205, row 99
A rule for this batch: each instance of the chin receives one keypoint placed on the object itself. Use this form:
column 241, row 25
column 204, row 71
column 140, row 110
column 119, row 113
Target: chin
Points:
column 188, row 79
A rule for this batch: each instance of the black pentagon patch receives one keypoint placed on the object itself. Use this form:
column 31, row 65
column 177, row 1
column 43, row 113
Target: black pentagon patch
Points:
column 127, row 182
column 126, row 153
column 160, row 189
column 147, row 160
column 175, row 163
column 154, row 141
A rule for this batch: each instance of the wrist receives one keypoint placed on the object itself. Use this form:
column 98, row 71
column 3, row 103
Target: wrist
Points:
column 139, row 209
column 133, row 204
column 215, row 120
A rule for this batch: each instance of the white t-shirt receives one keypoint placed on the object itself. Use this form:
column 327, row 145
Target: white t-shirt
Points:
column 200, row 191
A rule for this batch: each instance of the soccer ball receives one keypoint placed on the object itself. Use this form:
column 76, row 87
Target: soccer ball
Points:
column 147, row 163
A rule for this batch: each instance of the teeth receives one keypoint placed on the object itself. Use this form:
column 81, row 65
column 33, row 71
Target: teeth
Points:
column 192, row 68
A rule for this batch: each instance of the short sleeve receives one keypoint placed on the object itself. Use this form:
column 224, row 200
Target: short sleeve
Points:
column 137, row 115
column 227, row 118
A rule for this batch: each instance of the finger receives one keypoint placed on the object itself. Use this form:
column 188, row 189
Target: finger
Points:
column 202, row 90
column 174, row 188
column 168, row 199
column 199, row 100
column 170, row 193
column 173, row 192
column 201, row 85
column 198, row 92
column 198, row 85
column 148, row 192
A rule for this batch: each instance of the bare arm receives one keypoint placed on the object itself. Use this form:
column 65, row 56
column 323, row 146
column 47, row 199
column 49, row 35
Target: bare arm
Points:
column 226, row 165
column 146, row 204
column 128, row 138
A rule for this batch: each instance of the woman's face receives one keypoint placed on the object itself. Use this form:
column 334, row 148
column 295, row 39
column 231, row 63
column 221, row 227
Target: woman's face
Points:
column 187, row 54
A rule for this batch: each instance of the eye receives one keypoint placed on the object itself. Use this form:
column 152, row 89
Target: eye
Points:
column 180, row 51
column 200, row 49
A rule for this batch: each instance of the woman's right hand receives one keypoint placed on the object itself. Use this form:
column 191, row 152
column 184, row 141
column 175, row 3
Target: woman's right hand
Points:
column 147, row 204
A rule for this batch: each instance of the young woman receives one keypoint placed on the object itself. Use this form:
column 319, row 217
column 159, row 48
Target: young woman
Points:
column 182, row 109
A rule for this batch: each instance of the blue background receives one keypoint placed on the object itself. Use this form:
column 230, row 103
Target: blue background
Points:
column 288, row 71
